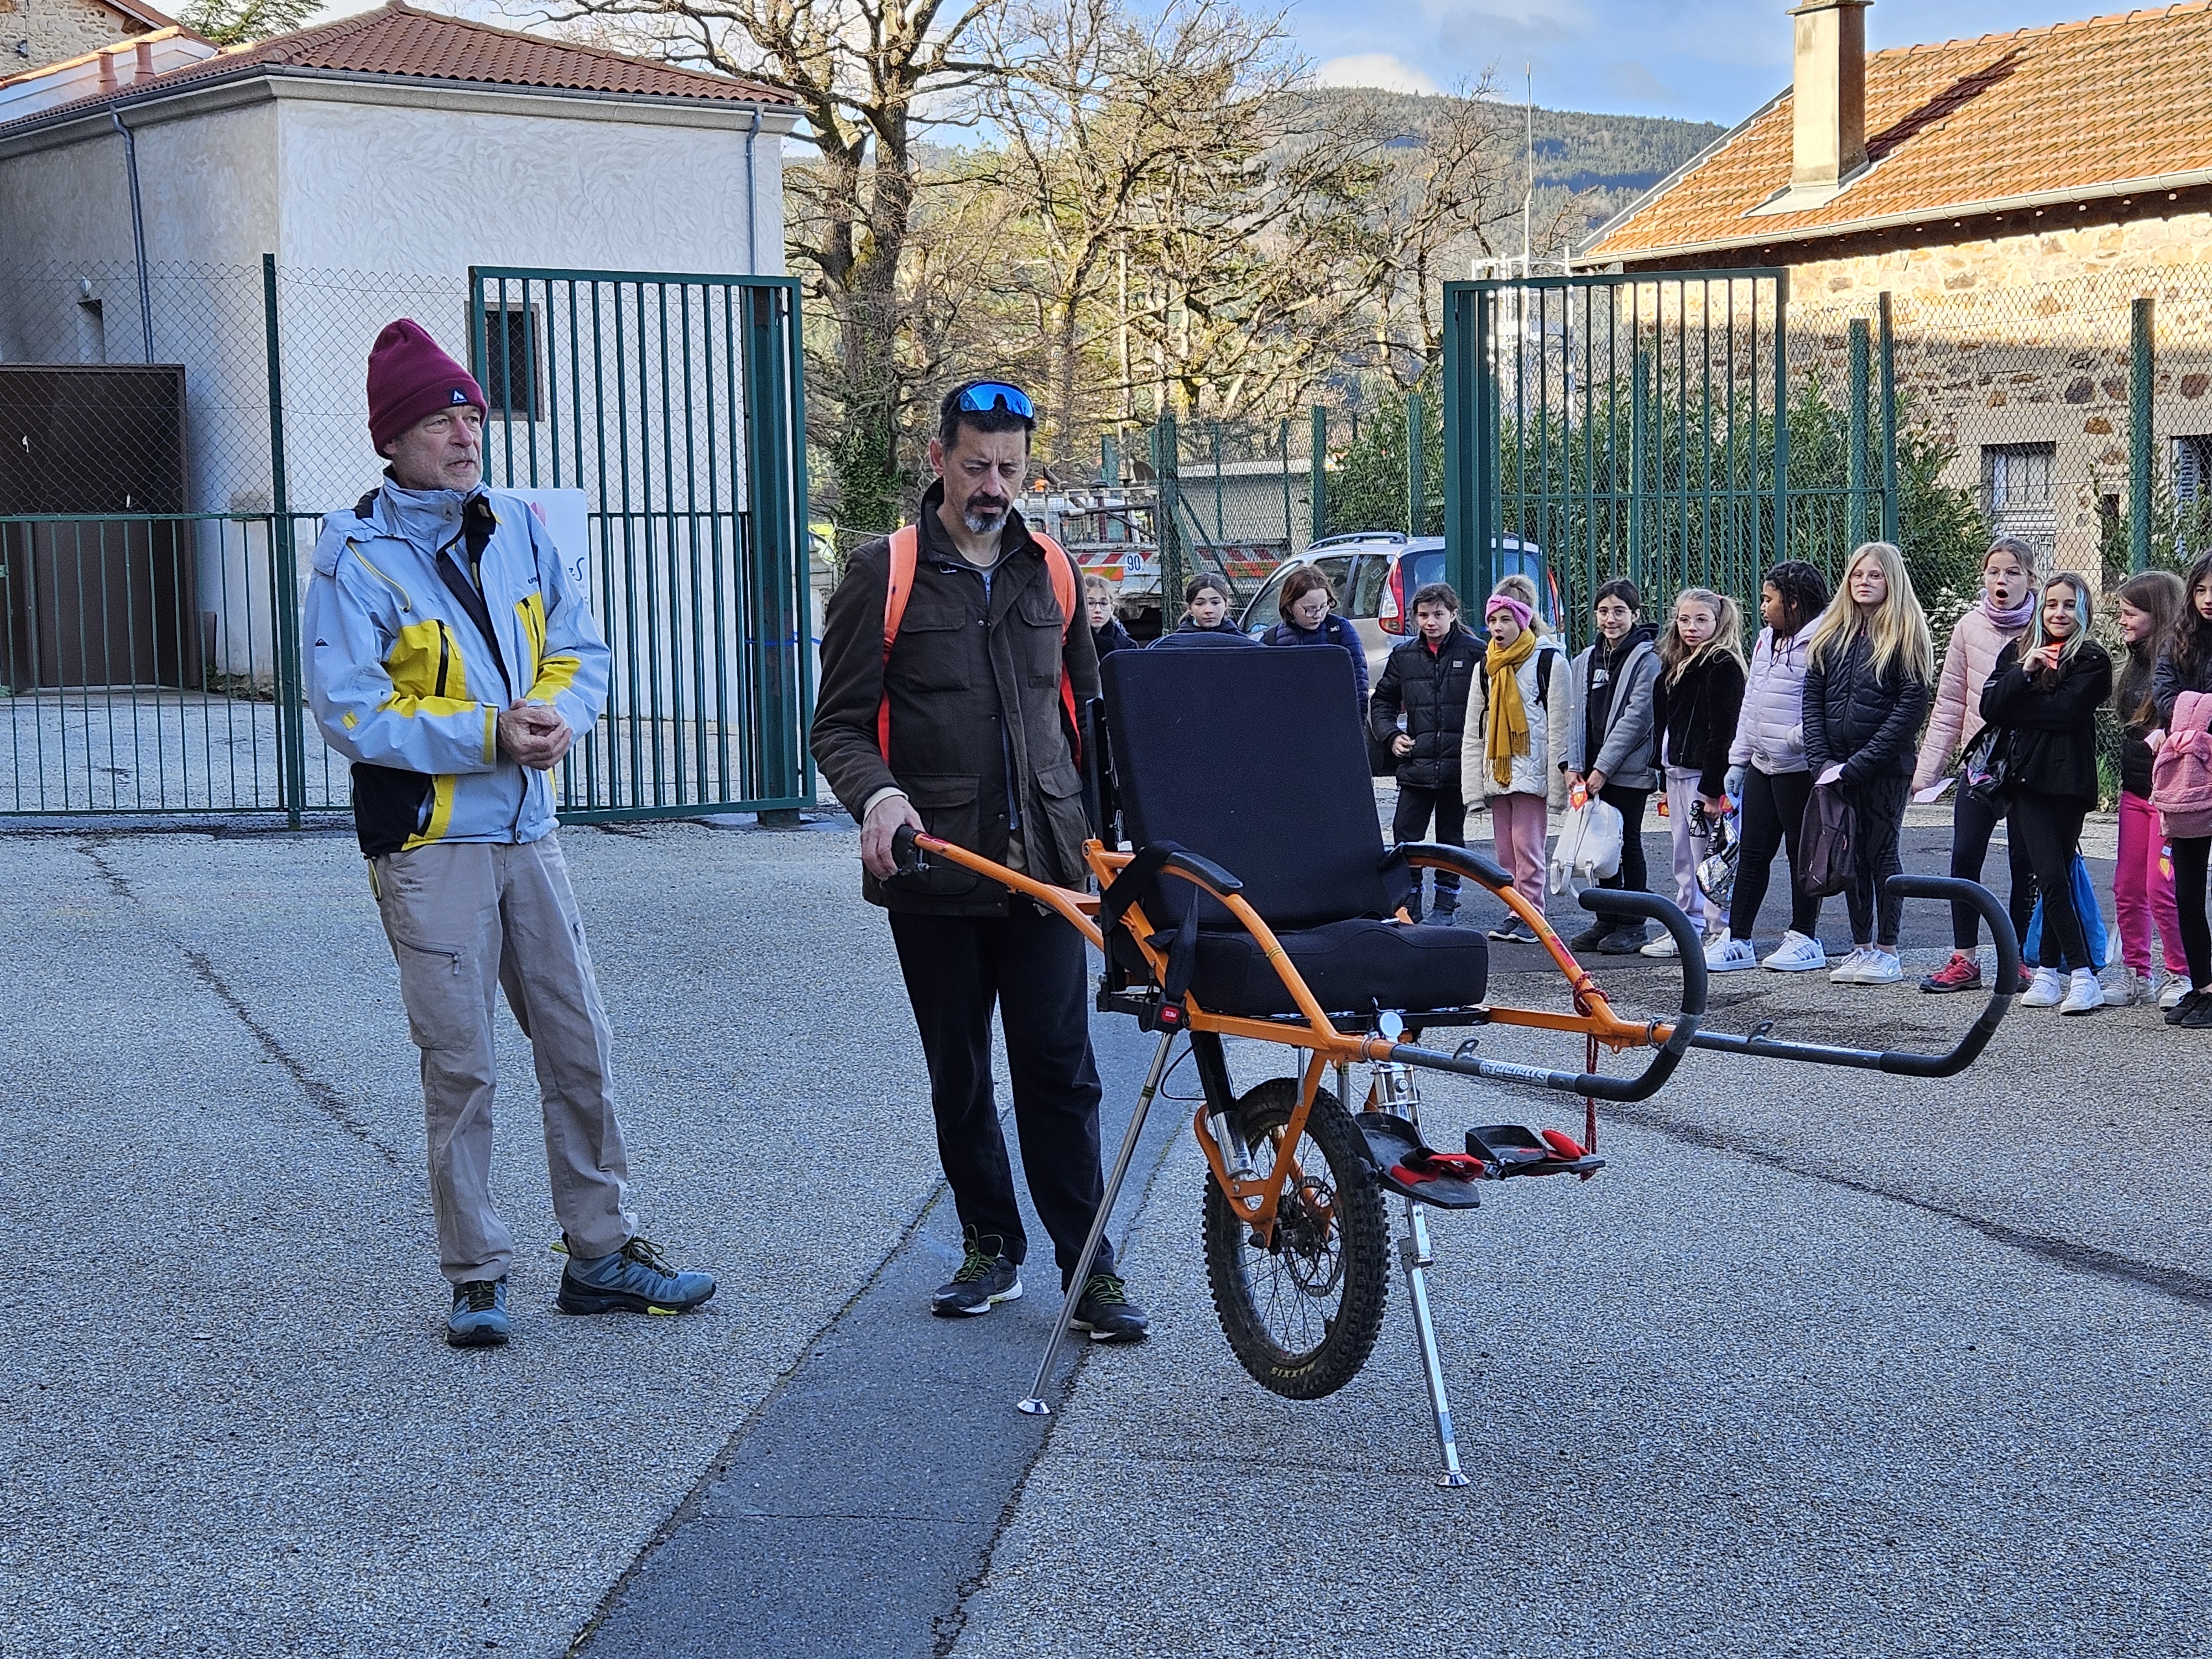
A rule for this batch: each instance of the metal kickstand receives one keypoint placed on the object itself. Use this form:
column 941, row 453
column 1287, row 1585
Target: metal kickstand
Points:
column 1035, row 1404
column 1396, row 1089
column 1413, row 1251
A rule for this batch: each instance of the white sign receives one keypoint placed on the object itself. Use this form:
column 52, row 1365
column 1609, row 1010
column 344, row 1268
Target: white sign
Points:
column 564, row 515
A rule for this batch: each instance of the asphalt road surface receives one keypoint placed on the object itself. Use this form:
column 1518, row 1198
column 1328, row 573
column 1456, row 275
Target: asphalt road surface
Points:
column 1825, row 1362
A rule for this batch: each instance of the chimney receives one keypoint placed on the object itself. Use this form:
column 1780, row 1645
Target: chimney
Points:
column 1828, row 95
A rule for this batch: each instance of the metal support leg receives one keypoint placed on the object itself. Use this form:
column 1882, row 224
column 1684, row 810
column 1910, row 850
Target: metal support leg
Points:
column 1413, row 1251
column 1035, row 1404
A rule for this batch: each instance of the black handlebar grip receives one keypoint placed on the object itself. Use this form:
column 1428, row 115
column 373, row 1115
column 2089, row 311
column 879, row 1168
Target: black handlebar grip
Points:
column 1688, row 947
column 906, row 857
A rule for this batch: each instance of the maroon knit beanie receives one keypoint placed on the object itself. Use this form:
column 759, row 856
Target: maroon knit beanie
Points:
column 410, row 379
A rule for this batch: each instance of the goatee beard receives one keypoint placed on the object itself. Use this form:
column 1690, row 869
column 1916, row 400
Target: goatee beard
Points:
column 981, row 521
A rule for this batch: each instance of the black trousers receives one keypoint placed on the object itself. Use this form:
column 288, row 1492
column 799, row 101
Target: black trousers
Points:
column 1876, row 913
column 1973, row 822
column 2049, row 828
column 1410, row 821
column 1031, row 967
column 1773, row 818
column 1629, row 804
column 2190, row 858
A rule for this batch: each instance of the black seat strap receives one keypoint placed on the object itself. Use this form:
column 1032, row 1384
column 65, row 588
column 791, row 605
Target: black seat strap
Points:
column 1138, row 877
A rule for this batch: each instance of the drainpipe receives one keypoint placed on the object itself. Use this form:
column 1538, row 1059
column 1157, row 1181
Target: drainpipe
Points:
column 138, row 232
column 752, row 201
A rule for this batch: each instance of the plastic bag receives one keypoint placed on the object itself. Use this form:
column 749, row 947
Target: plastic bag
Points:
column 1589, row 846
column 2093, row 922
column 1715, row 871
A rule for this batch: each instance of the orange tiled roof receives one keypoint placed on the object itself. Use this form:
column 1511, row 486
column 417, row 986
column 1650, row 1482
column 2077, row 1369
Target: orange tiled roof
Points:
column 396, row 40
column 2093, row 108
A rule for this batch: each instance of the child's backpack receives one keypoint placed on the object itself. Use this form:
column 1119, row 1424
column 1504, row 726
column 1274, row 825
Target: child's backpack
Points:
column 2181, row 776
column 1830, row 827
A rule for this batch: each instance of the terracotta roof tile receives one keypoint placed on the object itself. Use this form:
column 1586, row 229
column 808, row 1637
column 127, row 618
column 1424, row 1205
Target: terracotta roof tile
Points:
column 2090, row 107
column 399, row 41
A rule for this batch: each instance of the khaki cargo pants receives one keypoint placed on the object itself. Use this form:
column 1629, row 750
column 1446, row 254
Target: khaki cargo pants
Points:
column 465, row 921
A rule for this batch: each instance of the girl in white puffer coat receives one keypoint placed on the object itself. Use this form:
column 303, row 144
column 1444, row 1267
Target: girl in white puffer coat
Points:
column 1768, row 775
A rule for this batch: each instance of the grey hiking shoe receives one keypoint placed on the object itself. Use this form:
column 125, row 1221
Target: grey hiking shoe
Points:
column 637, row 1279
column 479, row 1317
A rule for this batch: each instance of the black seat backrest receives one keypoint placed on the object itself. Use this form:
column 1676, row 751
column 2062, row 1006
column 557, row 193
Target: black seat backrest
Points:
column 1255, row 760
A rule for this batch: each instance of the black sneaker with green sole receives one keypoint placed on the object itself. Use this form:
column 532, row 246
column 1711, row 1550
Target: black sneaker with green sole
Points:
column 1107, row 1310
column 984, row 1278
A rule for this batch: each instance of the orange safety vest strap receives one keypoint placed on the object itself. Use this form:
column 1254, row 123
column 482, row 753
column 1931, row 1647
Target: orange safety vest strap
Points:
column 906, row 548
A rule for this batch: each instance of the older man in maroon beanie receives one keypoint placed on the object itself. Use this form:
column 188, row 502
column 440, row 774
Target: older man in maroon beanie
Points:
column 451, row 662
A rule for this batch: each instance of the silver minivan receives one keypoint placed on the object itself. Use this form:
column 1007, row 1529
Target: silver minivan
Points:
column 1376, row 575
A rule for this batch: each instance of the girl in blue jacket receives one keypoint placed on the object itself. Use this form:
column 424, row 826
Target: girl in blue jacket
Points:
column 1307, row 607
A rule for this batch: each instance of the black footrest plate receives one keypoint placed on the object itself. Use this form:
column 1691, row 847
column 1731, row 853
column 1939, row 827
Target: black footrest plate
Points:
column 1394, row 1146
column 1519, row 1150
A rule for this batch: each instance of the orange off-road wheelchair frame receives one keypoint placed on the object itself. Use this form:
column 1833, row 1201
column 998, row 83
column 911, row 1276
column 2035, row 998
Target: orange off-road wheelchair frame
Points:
column 1298, row 1179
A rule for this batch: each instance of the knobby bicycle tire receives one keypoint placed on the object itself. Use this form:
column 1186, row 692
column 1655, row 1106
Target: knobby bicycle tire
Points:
column 1349, row 1260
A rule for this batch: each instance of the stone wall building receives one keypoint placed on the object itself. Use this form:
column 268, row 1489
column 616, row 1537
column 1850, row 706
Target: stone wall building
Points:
column 2014, row 195
column 36, row 33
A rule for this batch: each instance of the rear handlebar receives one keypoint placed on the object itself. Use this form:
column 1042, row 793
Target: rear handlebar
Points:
column 1904, row 1062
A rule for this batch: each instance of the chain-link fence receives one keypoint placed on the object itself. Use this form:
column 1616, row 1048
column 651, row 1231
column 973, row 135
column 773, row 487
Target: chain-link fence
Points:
column 2075, row 414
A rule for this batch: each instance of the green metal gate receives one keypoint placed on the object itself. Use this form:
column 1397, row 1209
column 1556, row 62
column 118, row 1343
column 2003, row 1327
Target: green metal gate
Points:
column 1643, row 425
column 675, row 404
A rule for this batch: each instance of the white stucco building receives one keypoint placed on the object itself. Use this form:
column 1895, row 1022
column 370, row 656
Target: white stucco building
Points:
column 377, row 159
column 395, row 144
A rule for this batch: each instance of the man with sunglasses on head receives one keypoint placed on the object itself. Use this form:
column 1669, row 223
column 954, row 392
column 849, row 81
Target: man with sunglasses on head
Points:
column 960, row 729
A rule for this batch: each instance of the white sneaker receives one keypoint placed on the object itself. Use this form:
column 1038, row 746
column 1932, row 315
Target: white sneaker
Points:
column 1661, row 946
column 1796, row 954
column 2083, row 993
column 2128, row 989
column 2048, row 990
column 2171, row 989
column 1881, row 968
column 1848, row 972
column 1724, row 954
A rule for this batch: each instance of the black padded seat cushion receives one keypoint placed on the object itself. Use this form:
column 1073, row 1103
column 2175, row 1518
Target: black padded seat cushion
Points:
column 1352, row 967
column 1256, row 761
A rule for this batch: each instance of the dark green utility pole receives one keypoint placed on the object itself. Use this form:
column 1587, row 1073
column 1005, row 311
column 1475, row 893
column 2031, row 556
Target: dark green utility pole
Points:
column 1855, row 514
column 2142, row 369
column 1888, row 424
column 284, row 558
column 1417, row 480
column 1166, row 531
column 1320, row 465
column 1109, row 460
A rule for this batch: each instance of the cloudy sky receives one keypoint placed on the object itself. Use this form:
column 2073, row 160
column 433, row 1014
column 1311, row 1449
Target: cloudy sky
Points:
column 1712, row 60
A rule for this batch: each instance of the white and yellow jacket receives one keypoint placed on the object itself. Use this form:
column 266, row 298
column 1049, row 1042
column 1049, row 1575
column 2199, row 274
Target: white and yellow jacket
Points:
column 430, row 611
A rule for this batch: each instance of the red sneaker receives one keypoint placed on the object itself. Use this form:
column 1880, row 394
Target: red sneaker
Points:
column 1961, row 973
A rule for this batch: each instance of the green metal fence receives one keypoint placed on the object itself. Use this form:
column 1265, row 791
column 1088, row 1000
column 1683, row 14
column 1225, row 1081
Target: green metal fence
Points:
column 150, row 651
column 1651, row 426
column 674, row 404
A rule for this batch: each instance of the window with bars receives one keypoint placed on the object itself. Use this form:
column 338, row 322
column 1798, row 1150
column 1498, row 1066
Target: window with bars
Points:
column 2192, row 468
column 508, row 373
column 2017, row 489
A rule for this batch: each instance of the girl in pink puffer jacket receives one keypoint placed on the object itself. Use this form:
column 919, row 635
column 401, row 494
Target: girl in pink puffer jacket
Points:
column 2001, row 615
column 2181, row 780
